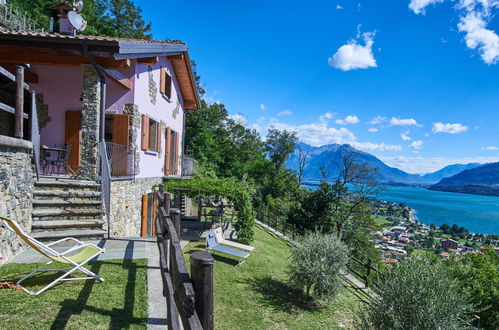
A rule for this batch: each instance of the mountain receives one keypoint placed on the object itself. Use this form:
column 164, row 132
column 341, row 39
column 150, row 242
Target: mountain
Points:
column 448, row 171
column 330, row 156
column 482, row 180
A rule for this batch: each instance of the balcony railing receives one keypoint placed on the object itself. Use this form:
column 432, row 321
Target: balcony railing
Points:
column 188, row 166
column 122, row 160
column 13, row 18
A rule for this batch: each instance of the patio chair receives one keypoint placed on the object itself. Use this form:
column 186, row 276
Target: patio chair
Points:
column 213, row 245
column 76, row 257
column 221, row 240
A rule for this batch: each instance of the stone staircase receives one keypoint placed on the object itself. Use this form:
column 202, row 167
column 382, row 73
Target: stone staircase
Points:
column 67, row 208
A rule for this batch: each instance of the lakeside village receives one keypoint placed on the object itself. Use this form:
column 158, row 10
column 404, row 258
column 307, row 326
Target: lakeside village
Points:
column 402, row 234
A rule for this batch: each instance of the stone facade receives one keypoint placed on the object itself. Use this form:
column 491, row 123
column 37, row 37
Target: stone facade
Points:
column 90, row 123
column 135, row 120
column 126, row 205
column 16, row 190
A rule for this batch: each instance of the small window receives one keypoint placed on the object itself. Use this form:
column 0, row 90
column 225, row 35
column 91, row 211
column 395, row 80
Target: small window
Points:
column 165, row 83
column 153, row 135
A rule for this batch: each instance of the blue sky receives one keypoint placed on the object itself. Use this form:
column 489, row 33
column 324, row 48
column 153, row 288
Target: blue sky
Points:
column 426, row 69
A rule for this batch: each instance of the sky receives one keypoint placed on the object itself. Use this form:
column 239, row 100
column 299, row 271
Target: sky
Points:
column 414, row 82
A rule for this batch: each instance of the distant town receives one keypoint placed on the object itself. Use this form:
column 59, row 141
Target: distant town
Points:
column 401, row 234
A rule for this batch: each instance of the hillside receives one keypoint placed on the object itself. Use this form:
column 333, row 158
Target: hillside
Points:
column 448, row 171
column 329, row 157
column 482, row 180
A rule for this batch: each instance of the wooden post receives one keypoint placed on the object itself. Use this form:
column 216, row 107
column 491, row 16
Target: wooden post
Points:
column 200, row 207
column 18, row 128
column 202, row 280
column 175, row 214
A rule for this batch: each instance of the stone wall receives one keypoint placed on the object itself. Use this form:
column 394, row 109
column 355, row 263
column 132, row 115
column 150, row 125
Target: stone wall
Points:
column 16, row 191
column 126, row 205
column 90, row 123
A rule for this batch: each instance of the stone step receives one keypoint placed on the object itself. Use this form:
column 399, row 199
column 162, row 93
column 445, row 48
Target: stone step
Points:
column 43, row 182
column 61, row 194
column 65, row 212
column 56, row 224
column 61, row 203
column 76, row 233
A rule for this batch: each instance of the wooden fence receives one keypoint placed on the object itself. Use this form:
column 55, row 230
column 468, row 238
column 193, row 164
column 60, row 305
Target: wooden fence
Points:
column 285, row 228
column 189, row 297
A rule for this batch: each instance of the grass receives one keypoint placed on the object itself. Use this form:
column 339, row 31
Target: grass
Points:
column 381, row 220
column 119, row 302
column 256, row 294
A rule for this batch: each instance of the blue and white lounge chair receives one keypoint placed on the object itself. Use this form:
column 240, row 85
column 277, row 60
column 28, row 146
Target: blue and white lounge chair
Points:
column 213, row 245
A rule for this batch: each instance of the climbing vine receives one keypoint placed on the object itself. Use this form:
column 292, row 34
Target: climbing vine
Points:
column 238, row 193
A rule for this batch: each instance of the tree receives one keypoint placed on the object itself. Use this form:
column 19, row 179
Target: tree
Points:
column 279, row 145
column 445, row 228
column 317, row 261
column 302, row 163
column 419, row 293
column 127, row 21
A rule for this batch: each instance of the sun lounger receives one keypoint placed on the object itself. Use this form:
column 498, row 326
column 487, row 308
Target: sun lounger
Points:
column 221, row 240
column 76, row 257
column 212, row 244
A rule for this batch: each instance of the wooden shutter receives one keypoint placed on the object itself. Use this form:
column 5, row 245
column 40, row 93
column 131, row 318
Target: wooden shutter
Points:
column 168, row 151
column 162, row 80
column 175, row 161
column 158, row 137
column 145, row 207
column 154, row 213
column 145, row 133
column 73, row 138
column 121, row 128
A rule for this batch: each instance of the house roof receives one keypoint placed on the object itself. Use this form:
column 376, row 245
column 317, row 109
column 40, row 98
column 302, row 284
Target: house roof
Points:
column 109, row 52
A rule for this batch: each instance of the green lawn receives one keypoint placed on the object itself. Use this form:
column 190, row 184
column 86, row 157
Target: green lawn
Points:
column 256, row 295
column 381, row 220
column 119, row 302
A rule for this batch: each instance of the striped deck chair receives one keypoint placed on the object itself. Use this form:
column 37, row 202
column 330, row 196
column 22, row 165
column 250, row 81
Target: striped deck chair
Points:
column 75, row 257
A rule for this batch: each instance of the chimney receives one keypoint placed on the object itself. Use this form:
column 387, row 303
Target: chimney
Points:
column 65, row 26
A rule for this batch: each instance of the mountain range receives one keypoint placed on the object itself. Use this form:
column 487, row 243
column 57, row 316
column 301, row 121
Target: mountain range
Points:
column 329, row 157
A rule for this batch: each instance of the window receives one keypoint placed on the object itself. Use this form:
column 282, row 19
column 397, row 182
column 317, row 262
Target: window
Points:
column 172, row 150
column 151, row 134
column 165, row 83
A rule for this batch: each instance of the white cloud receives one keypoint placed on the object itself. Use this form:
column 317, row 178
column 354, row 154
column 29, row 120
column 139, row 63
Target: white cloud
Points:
column 477, row 36
column 490, row 148
column 338, row 7
column 427, row 165
column 319, row 134
column 239, row 119
column 418, row 6
column 405, row 136
column 263, row 107
column 449, row 128
column 349, row 120
column 416, row 145
column 377, row 120
column 261, row 119
column 354, row 55
column 403, row 122
column 325, row 117
column 284, row 113
column 372, row 129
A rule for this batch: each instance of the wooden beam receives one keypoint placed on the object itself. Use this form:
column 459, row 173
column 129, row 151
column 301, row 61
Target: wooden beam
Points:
column 18, row 128
column 118, row 78
column 148, row 60
column 40, row 57
column 29, row 76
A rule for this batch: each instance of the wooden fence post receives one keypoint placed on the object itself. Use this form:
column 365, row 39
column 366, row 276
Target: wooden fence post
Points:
column 202, row 280
column 176, row 215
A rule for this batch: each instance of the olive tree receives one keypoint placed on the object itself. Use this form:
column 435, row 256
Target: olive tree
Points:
column 419, row 293
column 317, row 261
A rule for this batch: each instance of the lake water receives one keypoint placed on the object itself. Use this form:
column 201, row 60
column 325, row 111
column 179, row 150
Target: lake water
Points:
column 479, row 214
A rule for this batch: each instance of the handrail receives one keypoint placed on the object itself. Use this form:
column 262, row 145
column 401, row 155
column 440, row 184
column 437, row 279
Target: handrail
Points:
column 105, row 180
column 35, row 134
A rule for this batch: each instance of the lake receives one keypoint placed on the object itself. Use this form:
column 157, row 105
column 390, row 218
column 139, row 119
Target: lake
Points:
column 479, row 214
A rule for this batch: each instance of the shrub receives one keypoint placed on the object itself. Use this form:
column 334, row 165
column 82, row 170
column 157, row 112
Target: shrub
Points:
column 317, row 260
column 419, row 293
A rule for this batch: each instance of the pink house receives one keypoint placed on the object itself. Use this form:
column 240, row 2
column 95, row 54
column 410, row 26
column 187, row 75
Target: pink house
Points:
column 104, row 118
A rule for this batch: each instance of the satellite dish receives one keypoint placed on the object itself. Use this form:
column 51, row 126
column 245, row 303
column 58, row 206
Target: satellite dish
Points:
column 77, row 21
column 78, row 6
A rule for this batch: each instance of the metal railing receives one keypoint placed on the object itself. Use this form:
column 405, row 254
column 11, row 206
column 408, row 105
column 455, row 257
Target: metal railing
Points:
column 121, row 160
column 35, row 134
column 188, row 165
column 105, row 180
column 15, row 19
